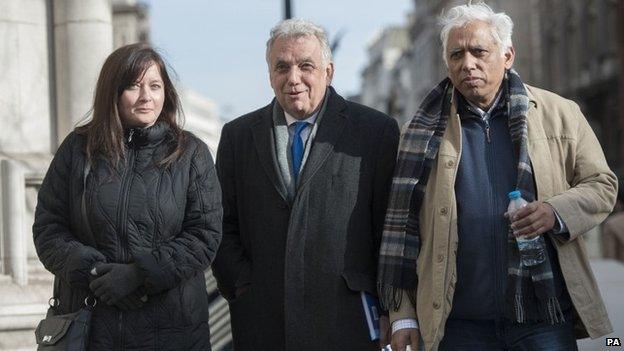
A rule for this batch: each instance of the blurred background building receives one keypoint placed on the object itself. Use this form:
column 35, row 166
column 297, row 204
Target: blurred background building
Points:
column 572, row 47
column 50, row 56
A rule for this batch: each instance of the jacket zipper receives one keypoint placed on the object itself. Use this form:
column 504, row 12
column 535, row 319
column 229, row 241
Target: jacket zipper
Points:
column 493, row 201
column 126, row 181
column 120, row 325
column 487, row 130
column 499, row 249
column 124, row 198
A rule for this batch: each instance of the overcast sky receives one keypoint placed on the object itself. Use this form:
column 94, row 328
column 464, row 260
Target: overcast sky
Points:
column 217, row 47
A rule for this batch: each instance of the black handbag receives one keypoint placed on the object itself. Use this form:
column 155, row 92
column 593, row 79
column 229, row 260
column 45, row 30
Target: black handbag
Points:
column 67, row 332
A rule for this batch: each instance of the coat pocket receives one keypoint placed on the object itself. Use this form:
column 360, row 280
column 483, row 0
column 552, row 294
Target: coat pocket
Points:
column 357, row 281
column 194, row 300
column 244, row 321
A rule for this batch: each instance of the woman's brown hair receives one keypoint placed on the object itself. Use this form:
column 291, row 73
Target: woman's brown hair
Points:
column 122, row 68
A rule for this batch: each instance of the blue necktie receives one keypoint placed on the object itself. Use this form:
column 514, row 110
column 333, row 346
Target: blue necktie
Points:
column 297, row 148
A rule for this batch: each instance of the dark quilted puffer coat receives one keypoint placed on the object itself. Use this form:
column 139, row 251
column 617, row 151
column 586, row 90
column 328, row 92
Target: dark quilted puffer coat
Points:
column 166, row 219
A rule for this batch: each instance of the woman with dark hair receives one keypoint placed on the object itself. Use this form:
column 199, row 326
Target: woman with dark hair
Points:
column 130, row 213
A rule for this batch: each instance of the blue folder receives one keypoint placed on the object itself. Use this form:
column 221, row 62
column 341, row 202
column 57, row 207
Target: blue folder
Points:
column 370, row 304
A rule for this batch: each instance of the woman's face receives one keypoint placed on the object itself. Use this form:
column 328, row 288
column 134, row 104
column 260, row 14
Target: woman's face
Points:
column 140, row 104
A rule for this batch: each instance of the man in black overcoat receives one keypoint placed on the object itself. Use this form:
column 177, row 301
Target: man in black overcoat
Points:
column 305, row 184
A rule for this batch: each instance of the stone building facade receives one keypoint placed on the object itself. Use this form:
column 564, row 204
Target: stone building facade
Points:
column 50, row 56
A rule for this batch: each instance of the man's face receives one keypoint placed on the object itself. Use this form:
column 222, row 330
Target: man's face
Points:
column 475, row 63
column 298, row 76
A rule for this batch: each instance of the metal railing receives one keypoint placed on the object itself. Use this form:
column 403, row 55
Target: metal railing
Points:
column 219, row 316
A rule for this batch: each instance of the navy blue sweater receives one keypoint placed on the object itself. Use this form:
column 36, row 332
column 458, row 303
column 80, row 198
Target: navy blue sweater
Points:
column 487, row 172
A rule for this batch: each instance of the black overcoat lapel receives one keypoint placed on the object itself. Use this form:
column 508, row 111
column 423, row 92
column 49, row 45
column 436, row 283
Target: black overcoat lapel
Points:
column 262, row 131
column 330, row 129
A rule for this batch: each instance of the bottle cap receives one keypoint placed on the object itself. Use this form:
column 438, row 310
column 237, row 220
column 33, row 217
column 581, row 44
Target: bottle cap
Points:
column 514, row 195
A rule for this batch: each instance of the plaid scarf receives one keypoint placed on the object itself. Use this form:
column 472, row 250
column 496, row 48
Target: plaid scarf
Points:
column 530, row 292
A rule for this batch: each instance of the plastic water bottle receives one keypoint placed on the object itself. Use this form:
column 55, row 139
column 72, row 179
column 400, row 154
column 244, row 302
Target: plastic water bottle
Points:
column 531, row 248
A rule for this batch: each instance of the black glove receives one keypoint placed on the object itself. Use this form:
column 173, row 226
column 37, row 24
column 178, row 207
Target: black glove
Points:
column 116, row 280
column 131, row 302
column 78, row 263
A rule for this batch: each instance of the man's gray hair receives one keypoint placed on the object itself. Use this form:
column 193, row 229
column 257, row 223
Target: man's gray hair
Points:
column 500, row 24
column 297, row 27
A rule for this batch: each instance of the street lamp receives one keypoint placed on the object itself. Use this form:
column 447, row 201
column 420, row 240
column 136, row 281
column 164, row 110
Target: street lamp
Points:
column 287, row 10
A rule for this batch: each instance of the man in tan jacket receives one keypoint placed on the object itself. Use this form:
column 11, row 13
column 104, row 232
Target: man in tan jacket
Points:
column 450, row 271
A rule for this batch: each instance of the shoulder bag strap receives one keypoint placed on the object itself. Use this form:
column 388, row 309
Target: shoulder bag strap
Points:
column 85, row 219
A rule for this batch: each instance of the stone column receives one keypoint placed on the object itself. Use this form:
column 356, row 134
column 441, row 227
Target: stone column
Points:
column 13, row 210
column 24, row 89
column 83, row 36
